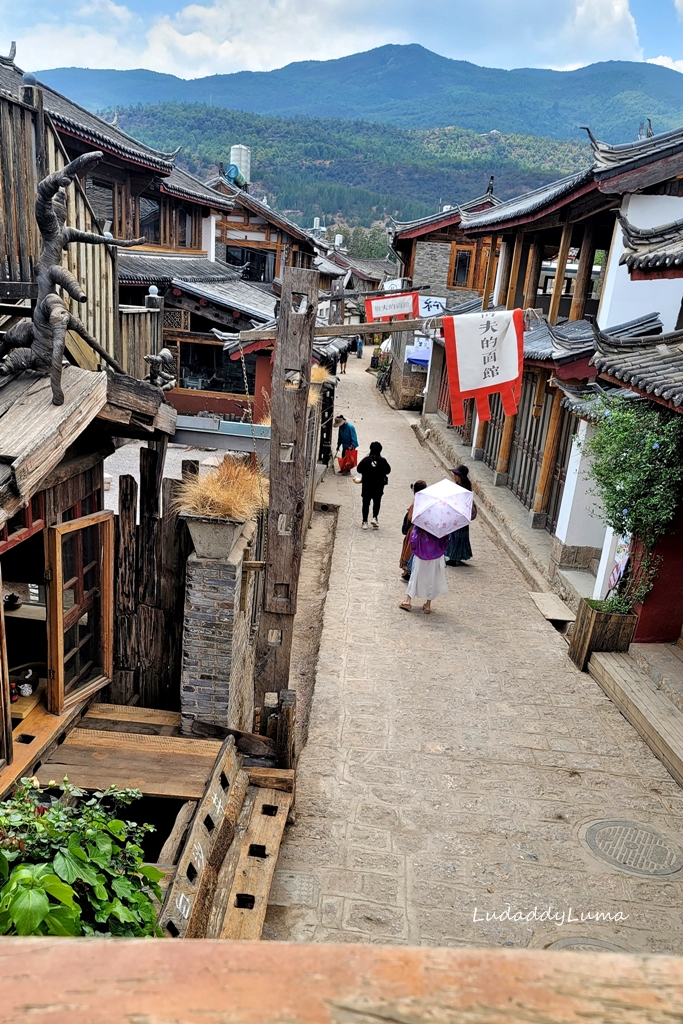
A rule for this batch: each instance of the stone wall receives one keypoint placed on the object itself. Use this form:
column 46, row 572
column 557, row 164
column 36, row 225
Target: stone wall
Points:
column 432, row 262
column 217, row 682
column 406, row 386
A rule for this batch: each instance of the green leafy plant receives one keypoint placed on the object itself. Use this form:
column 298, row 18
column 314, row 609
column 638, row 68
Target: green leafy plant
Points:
column 70, row 866
column 637, row 466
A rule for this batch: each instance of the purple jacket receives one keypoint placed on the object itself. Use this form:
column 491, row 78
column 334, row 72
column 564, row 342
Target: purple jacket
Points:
column 426, row 546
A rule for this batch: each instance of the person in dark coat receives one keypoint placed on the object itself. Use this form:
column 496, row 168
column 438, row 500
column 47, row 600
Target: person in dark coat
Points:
column 343, row 357
column 375, row 470
column 459, row 549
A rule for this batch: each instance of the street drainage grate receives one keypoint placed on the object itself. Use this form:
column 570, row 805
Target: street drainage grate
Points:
column 581, row 945
column 634, row 848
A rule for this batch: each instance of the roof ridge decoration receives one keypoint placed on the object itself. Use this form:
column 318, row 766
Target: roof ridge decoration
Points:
column 610, row 158
column 656, row 248
column 606, row 344
column 9, row 59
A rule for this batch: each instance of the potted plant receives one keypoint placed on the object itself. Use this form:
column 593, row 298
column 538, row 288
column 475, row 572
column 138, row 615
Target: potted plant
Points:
column 636, row 463
column 216, row 505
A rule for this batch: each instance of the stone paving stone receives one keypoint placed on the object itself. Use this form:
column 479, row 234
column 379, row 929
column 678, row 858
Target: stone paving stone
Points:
column 452, row 760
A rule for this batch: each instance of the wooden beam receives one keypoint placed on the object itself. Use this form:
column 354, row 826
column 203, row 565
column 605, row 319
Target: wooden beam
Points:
column 539, row 393
column 515, row 269
column 535, row 263
column 490, row 276
column 289, row 397
column 583, row 274
column 558, row 284
column 545, row 476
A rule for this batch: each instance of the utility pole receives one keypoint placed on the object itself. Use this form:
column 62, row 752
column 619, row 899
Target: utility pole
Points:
column 288, row 405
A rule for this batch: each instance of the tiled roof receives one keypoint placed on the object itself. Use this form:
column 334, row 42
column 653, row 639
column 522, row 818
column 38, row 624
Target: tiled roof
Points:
column 575, row 339
column 151, row 268
column 77, row 121
column 244, row 296
column 184, row 185
column 613, row 160
column 653, row 365
column 265, row 211
column 371, row 270
column 325, row 266
column 652, row 248
column 587, row 401
column 525, row 206
column 445, row 217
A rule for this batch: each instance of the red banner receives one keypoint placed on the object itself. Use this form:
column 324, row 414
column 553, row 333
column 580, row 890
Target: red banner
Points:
column 401, row 306
column 484, row 356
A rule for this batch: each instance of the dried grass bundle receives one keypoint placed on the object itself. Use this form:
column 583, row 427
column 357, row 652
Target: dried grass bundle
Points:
column 233, row 491
column 320, row 375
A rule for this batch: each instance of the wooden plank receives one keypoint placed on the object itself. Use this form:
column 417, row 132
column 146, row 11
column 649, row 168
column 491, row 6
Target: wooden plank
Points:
column 506, row 444
column 248, row 900
column 149, row 534
column 90, row 774
column 286, row 733
column 552, row 607
column 23, row 706
column 534, row 273
column 45, row 730
column 153, row 683
column 552, row 443
column 226, row 874
column 117, row 712
column 515, row 270
column 175, row 550
column 490, row 275
column 136, row 395
column 188, row 901
column 178, row 747
column 170, row 851
column 272, row 778
column 655, row 718
column 126, row 551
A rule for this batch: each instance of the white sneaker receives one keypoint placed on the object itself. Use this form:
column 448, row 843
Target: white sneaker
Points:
column 375, row 524
column 364, row 526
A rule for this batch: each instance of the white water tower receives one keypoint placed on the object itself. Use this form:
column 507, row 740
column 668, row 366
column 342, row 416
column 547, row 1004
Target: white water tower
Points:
column 241, row 157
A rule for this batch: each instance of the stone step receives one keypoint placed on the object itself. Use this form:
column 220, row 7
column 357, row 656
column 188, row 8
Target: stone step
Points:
column 663, row 663
column 652, row 714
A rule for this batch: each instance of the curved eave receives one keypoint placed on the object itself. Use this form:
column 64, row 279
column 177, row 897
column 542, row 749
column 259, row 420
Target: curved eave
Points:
column 535, row 211
column 213, row 202
column 107, row 145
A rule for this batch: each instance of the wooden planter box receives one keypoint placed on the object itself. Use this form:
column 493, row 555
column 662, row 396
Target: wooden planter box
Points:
column 599, row 631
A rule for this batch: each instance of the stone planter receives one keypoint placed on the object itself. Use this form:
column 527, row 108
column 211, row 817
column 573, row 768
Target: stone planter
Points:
column 599, row 631
column 212, row 537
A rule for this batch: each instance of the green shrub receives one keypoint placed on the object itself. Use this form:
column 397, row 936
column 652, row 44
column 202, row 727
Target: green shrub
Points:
column 70, row 866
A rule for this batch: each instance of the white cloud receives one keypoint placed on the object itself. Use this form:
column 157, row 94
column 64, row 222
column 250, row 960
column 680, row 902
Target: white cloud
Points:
column 667, row 62
column 221, row 36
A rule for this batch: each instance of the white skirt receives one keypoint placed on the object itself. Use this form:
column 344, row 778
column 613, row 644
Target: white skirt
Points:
column 428, row 578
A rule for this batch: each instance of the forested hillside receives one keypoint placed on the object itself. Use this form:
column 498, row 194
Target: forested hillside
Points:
column 354, row 171
column 410, row 86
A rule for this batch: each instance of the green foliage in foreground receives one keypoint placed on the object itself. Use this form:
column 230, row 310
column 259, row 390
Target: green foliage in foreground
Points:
column 70, row 866
column 354, row 171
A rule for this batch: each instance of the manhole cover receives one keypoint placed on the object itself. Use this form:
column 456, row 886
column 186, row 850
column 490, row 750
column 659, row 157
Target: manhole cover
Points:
column 581, row 945
column 635, row 848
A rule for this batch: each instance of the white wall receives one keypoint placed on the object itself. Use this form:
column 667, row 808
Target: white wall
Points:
column 209, row 236
column 576, row 526
column 499, row 300
column 624, row 299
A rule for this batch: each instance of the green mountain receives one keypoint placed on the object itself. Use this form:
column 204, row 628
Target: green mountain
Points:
column 355, row 171
column 412, row 87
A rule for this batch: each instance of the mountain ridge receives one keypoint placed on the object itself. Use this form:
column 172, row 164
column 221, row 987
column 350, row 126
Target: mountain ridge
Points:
column 412, row 87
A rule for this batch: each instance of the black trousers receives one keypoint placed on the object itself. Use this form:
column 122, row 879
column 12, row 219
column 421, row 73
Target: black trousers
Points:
column 376, row 499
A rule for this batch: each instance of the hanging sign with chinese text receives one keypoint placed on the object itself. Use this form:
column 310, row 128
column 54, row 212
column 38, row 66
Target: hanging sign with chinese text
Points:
column 484, row 356
column 408, row 304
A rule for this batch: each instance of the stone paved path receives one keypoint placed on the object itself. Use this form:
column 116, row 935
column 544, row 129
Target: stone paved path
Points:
column 454, row 761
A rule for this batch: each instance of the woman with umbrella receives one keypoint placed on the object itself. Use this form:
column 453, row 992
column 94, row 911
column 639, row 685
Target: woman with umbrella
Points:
column 438, row 511
column 459, row 549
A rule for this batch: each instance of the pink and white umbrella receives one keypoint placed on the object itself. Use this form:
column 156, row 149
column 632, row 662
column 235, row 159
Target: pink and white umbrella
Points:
column 442, row 508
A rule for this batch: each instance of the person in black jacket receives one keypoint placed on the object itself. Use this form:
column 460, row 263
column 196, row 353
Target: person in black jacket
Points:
column 375, row 470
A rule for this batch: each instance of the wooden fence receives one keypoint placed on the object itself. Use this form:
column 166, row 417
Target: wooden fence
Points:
column 140, row 334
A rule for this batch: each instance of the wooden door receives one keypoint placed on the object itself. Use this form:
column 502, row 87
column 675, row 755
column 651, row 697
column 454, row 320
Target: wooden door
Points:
column 528, row 441
column 570, row 425
column 494, row 431
column 80, row 609
column 5, row 707
column 443, row 402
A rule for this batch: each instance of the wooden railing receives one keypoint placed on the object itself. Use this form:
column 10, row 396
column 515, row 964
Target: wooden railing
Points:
column 140, row 334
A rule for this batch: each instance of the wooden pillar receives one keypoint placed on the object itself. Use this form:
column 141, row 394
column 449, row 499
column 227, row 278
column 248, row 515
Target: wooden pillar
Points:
column 515, row 270
column 539, row 393
column 289, row 400
column 558, row 285
column 537, row 516
column 583, row 274
column 535, row 263
column 504, row 280
column 479, row 440
column 490, row 274
column 337, row 302
column 500, row 476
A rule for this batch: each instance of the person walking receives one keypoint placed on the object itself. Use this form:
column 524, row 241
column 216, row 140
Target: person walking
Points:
column 343, row 357
column 347, row 440
column 406, row 559
column 459, row 549
column 374, row 470
column 428, row 576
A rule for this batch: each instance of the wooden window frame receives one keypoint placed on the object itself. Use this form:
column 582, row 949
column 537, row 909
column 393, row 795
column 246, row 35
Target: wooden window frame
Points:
column 30, row 527
column 58, row 703
column 455, row 249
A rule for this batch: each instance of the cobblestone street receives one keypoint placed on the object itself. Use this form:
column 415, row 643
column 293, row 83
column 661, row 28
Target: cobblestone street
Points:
column 457, row 761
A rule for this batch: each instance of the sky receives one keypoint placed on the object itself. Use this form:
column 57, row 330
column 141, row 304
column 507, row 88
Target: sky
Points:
column 220, row 36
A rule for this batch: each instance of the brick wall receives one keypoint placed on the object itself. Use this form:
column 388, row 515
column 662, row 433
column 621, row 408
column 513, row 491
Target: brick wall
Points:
column 217, row 683
column 432, row 260
column 405, row 385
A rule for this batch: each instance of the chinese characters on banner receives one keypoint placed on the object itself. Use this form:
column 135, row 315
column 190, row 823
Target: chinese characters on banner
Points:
column 409, row 305
column 484, row 356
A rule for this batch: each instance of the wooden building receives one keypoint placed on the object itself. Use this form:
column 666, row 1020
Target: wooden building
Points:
column 434, row 252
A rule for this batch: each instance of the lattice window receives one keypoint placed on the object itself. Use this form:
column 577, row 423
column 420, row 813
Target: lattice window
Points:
column 177, row 319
